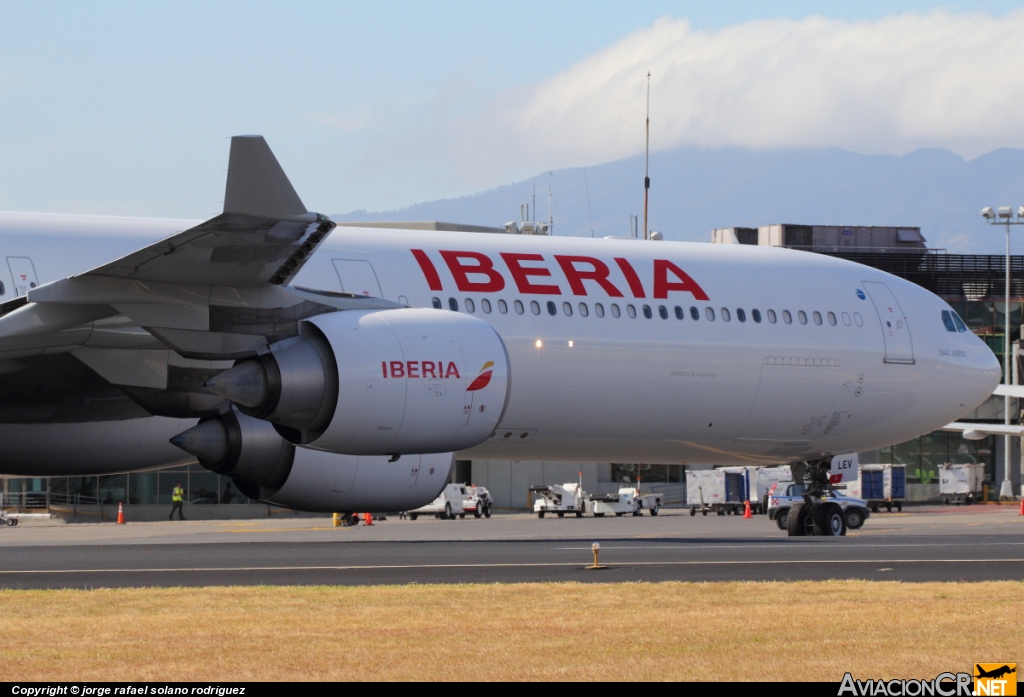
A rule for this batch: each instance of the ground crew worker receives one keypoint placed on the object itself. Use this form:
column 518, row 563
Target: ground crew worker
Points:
column 177, row 497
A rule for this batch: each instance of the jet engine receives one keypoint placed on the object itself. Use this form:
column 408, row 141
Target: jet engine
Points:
column 264, row 466
column 384, row 382
column 248, row 450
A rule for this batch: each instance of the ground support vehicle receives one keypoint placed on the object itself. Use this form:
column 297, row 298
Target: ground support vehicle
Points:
column 628, row 500
column 961, row 483
column 451, row 502
column 762, row 479
column 559, row 499
column 479, row 501
column 854, row 511
column 737, row 488
column 705, row 491
column 726, row 490
column 880, row 485
column 11, row 518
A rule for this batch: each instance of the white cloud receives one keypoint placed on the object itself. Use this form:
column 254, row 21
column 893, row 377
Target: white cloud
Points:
column 885, row 86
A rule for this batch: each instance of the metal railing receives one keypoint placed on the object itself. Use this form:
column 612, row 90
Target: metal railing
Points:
column 45, row 499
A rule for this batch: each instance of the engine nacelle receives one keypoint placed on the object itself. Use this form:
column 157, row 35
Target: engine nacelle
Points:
column 248, row 450
column 327, row 482
column 378, row 382
column 264, row 466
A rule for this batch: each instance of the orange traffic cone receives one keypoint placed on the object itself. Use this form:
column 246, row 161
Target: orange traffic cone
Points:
column 120, row 513
column 368, row 518
column 746, row 510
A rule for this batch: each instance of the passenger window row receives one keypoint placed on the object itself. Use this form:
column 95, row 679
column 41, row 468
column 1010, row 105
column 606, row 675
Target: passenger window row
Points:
column 663, row 312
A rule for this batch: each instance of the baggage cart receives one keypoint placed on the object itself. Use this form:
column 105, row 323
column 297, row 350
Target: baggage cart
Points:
column 881, row 485
column 705, row 491
column 961, row 484
column 10, row 518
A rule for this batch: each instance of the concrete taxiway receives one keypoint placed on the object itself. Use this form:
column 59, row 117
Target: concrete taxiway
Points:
column 921, row 544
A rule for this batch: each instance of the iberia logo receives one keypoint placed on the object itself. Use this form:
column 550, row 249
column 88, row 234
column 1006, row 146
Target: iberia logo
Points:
column 483, row 379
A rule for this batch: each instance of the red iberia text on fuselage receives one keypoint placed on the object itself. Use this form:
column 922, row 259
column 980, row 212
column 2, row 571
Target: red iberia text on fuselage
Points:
column 475, row 272
column 419, row 369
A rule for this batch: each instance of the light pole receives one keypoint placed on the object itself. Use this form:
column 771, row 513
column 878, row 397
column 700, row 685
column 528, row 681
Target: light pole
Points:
column 1004, row 216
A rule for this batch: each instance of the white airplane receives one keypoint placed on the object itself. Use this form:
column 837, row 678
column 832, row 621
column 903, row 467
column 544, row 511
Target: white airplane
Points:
column 336, row 368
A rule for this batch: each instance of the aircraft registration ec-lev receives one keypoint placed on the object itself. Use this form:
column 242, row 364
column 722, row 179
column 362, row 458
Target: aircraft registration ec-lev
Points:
column 340, row 368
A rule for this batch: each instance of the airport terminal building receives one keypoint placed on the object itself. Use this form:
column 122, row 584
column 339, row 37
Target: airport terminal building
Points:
column 972, row 284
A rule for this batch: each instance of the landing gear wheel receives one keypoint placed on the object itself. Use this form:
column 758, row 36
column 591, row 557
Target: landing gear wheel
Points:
column 829, row 520
column 654, row 511
column 721, row 512
column 448, row 515
column 798, row 521
column 540, row 514
column 561, row 514
column 854, row 518
column 704, row 512
column 638, row 512
column 414, row 516
column 780, row 519
column 618, row 515
column 579, row 514
column 693, row 512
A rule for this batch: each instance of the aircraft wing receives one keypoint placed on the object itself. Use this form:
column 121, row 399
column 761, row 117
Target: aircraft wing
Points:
column 263, row 235
column 193, row 302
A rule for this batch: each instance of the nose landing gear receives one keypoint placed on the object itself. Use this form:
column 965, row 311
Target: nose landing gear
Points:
column 815, row 516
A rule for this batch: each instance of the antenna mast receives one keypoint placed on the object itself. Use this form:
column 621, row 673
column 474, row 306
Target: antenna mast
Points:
column 551, row 217
column 647, row 152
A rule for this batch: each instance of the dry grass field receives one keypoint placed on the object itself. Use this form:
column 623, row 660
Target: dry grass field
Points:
column 631, row 631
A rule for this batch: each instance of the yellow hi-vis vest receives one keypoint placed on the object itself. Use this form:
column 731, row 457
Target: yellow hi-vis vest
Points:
column 177, row 494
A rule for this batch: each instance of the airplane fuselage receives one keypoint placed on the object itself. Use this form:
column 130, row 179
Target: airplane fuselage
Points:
column 625, row 350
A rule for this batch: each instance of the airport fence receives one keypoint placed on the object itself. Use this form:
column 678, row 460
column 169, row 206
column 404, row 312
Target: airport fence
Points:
column 45, row 499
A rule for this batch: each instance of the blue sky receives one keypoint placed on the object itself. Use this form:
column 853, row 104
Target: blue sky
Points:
column 125, row 107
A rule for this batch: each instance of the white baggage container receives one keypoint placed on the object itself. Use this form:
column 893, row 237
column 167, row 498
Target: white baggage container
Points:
column 726, row 489
column 761, row 481
column 705, row 490
column 961, row 483
column 737, row 485
column 880, row 485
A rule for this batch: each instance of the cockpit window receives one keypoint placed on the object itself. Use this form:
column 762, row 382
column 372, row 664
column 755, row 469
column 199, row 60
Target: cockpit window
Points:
column 960, row 326
column 947, row 319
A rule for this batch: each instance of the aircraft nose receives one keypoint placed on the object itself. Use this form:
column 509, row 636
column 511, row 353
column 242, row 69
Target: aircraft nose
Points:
column 987, row 373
